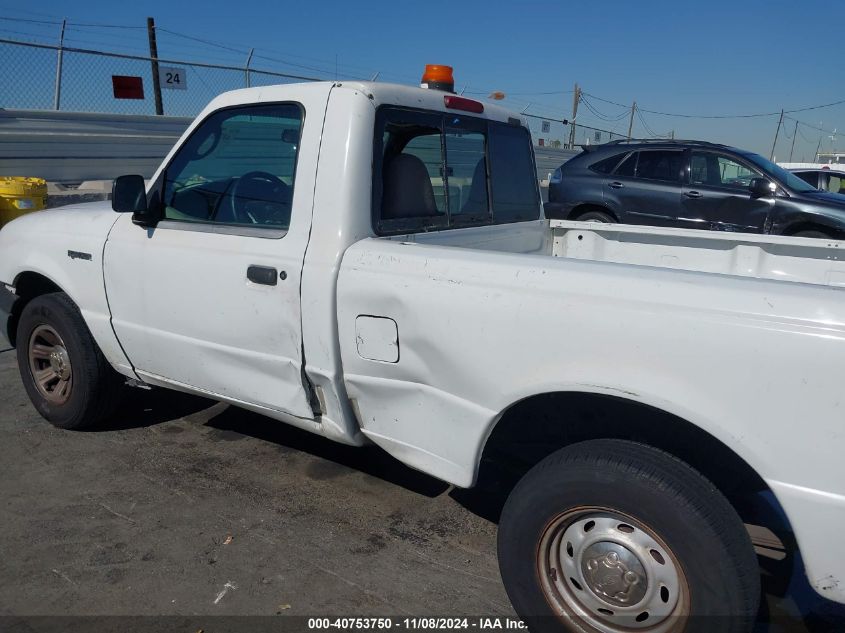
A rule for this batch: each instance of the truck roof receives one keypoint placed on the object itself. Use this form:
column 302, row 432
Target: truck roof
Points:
column 379, row 93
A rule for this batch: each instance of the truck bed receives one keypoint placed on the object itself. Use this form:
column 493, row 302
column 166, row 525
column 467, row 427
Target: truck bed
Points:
column 774, row 257
column 742, row 336
column 780, row 258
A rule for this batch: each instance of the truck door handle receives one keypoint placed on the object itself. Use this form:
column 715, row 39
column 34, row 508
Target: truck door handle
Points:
column 693, row 194
column 262, row 275
column 615, row 185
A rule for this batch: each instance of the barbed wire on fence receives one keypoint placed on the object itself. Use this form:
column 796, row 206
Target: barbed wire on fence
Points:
column 82, row 80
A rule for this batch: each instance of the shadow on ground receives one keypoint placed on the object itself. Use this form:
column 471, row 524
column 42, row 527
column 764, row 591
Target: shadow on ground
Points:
column 142, row 408
column 788, row 602
column 368, row 459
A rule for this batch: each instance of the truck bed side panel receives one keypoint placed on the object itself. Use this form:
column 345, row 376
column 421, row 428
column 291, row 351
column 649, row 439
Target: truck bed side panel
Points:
column 478, row 331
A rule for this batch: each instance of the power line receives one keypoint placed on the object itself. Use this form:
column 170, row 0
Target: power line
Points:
column 325, row 71
column 107, row 26
column 710, row 116
column 524, row 94
column 651, row 132
column 207, row 42
column 29, row 20
column 600, row 115
column 58, row 22
column 812, row 127
column 816, row 107
column 721, row 116
column 21, row 33
column 30, row 12
column 801, row 134
column 566, row 122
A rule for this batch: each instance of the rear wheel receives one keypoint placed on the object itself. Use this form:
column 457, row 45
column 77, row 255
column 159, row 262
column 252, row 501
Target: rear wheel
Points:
column 814, row 234
column 63, row 371
column 611, row 536
column 596, row 216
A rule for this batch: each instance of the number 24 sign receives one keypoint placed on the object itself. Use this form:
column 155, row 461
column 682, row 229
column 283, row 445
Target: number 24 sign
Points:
column 172, row 78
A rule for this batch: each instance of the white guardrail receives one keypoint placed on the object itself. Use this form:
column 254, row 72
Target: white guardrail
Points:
column 73, row 147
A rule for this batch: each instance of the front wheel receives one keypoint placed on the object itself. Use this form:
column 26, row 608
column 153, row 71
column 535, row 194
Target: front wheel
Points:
column 612, row 536
column 596, row 216
column 63, row 371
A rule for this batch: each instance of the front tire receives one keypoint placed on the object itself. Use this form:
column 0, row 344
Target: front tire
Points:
column 65, row 374
column 610, row 536
column 596, row 216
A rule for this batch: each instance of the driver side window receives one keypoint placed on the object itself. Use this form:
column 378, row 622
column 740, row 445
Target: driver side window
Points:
column 237, row 168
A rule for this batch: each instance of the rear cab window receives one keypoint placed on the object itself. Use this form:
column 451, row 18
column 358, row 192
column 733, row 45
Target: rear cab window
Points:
column 434, row 171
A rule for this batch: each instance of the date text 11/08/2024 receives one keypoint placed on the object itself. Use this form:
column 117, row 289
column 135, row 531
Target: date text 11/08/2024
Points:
column 429, row 623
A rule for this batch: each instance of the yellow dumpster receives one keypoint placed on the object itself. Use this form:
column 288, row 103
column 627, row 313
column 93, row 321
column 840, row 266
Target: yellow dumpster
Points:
column 19, row 195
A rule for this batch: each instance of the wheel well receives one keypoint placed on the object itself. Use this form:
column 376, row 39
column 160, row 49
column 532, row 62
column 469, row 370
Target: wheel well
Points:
column 536, row 427
column 581, row 209
column 28, row 285
column 792, row 229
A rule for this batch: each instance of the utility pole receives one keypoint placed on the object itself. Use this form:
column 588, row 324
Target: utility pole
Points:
column 672, row 135
column 57, row 97
column 575, row 99
column 246, row 69
column 794, row 134
column 151, row 34
column 818, row 149
column 631, row 121
column 777, row 132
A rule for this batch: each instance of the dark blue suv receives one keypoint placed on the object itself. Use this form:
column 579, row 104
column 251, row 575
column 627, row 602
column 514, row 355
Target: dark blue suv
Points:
column 691, row 184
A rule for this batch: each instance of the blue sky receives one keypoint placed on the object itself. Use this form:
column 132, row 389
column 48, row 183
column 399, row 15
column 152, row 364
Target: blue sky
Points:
column 715, row 58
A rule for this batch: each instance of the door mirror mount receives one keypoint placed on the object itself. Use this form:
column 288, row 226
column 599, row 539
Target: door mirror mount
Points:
column 762, row 188
column 129, row 195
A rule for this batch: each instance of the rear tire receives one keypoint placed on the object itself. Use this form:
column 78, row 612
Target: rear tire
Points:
column 65, row 374
column 613, row 536
column 814, row 234
column 596, row 216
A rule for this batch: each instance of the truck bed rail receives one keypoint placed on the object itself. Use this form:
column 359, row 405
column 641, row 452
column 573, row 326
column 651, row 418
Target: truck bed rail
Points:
column 796, row 259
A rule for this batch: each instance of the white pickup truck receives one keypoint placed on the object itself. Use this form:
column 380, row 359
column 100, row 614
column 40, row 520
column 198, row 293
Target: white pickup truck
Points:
column 370, row 262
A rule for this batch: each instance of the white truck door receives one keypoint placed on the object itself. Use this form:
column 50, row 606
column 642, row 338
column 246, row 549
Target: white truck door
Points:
column 209, row 297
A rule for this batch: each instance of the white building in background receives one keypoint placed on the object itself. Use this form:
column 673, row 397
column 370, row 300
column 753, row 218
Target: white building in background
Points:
column 832, row 158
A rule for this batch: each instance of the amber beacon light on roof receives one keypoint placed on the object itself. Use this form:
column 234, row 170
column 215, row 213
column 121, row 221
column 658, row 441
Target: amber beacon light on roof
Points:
column 438, row 77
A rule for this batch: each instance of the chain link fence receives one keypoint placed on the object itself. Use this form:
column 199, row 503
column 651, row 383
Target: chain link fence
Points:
column 50, row 77
column 45, row 77
column 70, row 79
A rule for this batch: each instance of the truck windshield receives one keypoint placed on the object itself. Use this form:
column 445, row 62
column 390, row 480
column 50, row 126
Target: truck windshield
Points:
column 792, row 182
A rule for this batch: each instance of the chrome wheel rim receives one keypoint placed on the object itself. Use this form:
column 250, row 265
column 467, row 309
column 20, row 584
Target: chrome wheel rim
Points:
column 608, row 572
column 49, row 364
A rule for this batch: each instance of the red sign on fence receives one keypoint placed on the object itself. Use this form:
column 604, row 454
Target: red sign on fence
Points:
column 127, row 87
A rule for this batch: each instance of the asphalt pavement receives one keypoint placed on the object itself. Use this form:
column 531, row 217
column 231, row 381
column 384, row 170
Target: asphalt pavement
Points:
column 185, row 507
